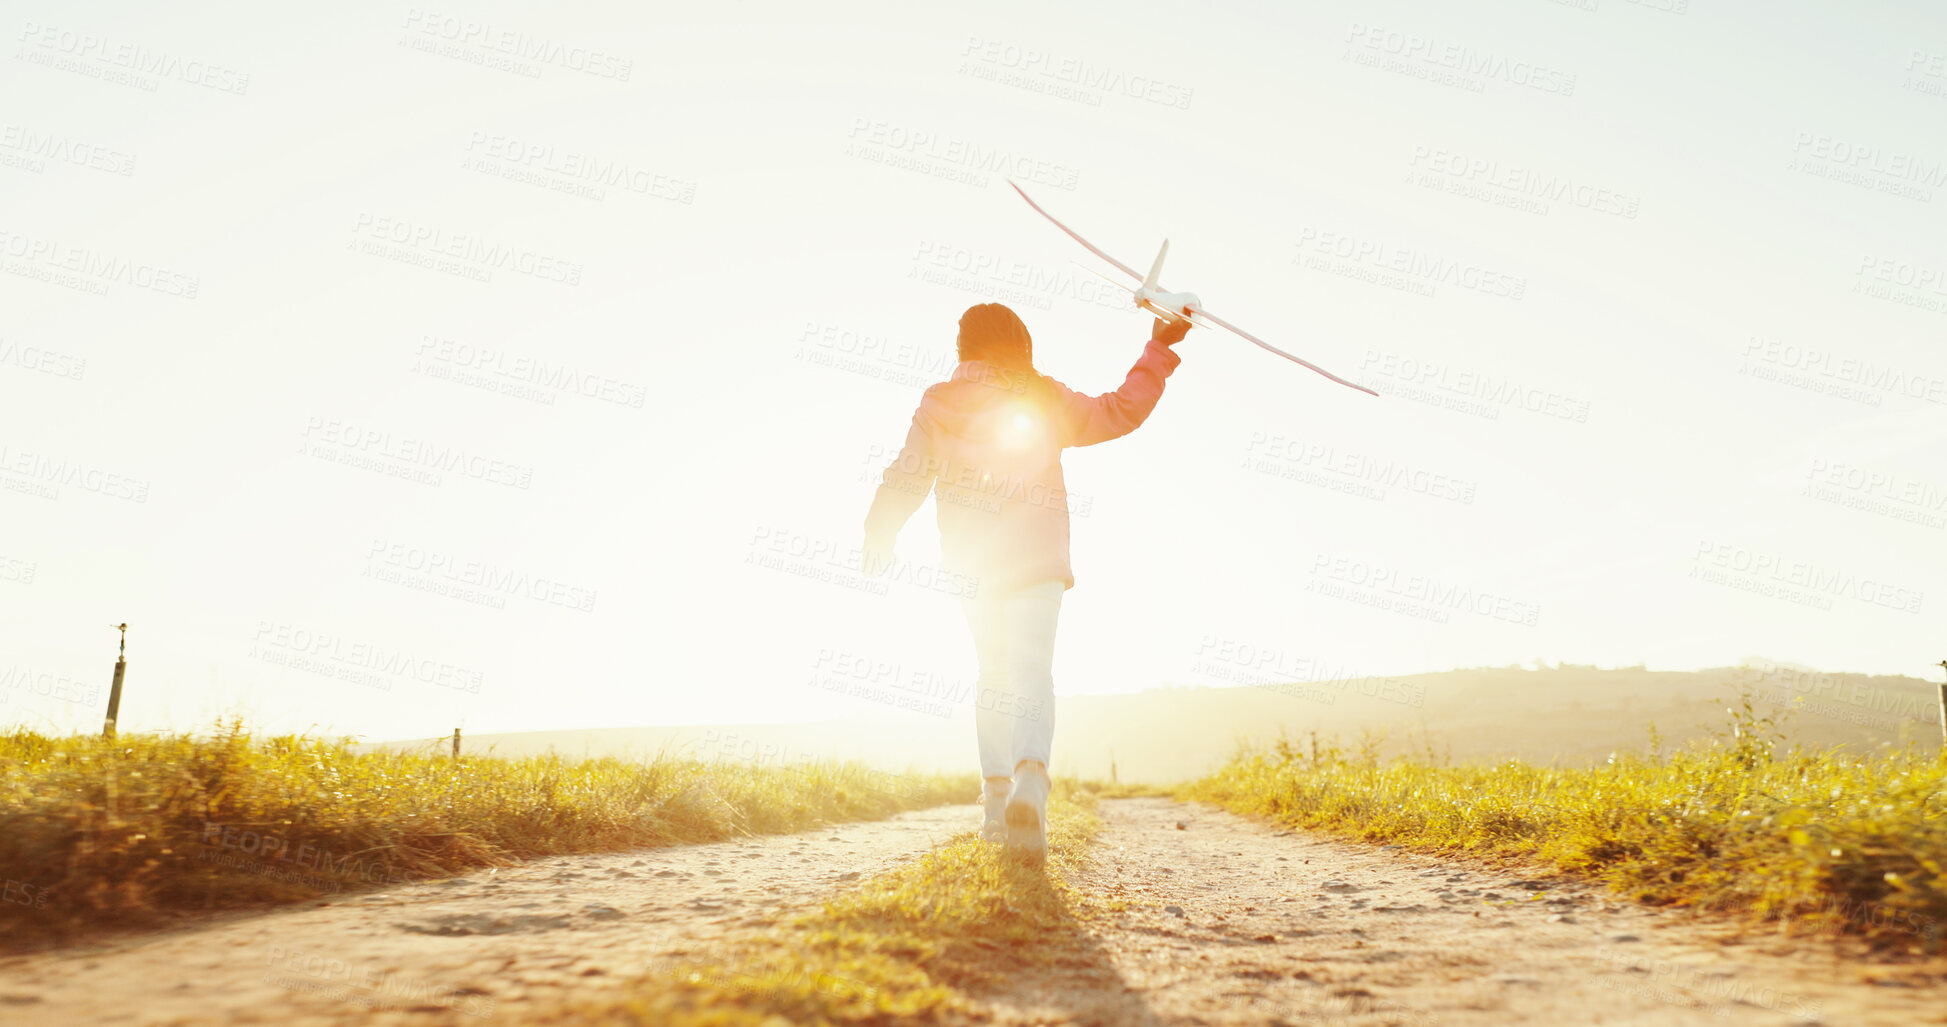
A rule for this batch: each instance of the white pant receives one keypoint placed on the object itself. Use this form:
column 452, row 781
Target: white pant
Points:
column 1014, row 700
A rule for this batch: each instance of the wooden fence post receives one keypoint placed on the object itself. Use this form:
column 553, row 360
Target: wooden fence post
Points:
column 1943, row 710
column 115, row 689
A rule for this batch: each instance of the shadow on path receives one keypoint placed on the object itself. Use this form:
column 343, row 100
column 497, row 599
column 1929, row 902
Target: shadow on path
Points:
column 1063, row 972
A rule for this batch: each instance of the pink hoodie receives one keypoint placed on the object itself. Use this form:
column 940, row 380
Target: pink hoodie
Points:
column 988, row 444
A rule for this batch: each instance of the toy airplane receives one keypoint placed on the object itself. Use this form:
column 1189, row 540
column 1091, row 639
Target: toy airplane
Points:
column 1176, row 306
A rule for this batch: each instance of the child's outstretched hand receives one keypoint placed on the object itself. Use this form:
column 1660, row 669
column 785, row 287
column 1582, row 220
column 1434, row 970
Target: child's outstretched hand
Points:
column 1169, row 333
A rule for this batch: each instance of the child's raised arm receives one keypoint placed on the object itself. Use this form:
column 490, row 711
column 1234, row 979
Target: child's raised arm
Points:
column 1087, row 420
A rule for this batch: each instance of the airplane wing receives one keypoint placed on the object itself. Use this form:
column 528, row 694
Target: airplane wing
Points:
column 1126, row 269
column 1214, row 319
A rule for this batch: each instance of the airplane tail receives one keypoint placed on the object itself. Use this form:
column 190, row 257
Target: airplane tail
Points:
column 1156, row 269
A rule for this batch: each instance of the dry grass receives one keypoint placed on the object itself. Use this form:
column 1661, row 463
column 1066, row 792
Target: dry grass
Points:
column 1824, row 841
column 127, row 832
column 921, row 943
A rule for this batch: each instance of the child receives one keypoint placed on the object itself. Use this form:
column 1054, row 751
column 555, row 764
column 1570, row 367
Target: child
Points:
column 987, row 442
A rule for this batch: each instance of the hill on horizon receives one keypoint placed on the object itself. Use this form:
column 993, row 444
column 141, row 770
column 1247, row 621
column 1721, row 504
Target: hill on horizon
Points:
column 1569, row 713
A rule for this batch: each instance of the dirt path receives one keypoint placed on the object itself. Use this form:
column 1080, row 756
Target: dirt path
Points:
column 1235, row 921
column 489, row 945
column 1229, row 921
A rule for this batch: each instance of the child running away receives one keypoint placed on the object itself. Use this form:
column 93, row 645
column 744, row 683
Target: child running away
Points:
column 987, row 442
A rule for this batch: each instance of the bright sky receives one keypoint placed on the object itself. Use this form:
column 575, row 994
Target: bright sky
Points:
column 1655, row 293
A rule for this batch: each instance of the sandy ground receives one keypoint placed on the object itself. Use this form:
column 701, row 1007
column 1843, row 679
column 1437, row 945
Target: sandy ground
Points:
column 1235, row 921
column 475, row 949
column 1228, row 921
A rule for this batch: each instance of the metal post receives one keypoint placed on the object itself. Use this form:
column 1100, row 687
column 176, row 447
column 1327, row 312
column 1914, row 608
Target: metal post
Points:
column 456, row 743
column 115, row 690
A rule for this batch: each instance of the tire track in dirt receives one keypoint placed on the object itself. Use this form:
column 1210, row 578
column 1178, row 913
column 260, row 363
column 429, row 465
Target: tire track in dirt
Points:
column 1235, row 921
column 492, row 946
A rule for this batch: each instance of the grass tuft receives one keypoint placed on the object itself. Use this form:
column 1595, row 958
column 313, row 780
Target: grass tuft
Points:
column 1825, row 841
column 919, row 943
column 127, row 832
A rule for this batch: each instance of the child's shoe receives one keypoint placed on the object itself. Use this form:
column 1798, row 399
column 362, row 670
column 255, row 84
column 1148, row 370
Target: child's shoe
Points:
column 993, row 795
column 1027, row 811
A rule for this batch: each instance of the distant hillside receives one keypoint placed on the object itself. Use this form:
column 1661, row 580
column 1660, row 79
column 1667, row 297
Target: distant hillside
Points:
column 1570, row 714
